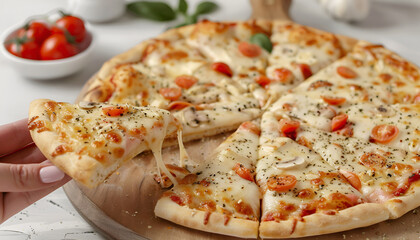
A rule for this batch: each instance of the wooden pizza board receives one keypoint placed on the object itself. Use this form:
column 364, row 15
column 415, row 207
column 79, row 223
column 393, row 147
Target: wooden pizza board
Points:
column 122, row 207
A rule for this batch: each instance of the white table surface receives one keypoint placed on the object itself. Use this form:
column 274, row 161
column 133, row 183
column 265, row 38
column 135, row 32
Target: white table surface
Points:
column 396, row 24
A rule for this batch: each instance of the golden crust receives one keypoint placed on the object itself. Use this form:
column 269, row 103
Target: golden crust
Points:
column 182, row 215
column 400, row 205
column 358, row 216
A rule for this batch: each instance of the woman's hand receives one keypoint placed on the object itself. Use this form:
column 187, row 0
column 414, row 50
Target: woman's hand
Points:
column 25, row 175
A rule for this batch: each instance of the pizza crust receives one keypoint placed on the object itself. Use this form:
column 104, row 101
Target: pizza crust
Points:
column 182, row 215
column 358, row 216
column 401, row 205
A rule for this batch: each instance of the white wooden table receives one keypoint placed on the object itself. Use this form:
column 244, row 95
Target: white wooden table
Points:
column 396, row 24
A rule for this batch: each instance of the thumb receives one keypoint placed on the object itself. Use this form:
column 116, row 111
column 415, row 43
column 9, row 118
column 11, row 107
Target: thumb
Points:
column 28, row 177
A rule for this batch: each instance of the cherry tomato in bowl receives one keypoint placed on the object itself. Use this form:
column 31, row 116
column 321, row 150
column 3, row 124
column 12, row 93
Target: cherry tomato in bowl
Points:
column 71, row 58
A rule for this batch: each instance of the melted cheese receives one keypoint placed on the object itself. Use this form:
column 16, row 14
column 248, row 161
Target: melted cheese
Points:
column 276, row 151
column 388, row 165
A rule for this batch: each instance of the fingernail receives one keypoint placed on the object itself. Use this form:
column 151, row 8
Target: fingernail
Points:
column 50, row 174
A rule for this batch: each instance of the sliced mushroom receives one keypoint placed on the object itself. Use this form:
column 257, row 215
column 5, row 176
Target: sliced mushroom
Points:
column 296, row 161
column 383, row 111
column 87, row 105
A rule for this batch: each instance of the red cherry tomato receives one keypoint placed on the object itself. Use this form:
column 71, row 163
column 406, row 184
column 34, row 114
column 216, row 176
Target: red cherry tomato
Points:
column 56, row 46
column 338, row 122
column 249, row 49
column 172, row 94
column 222, row 68
column 36, row 31
column 288, row 126
column 186, row 81
column 29, row 50
column 243, row 172
column 346, row 72
column 281, row 183
column 74, row 25
column 384, row 133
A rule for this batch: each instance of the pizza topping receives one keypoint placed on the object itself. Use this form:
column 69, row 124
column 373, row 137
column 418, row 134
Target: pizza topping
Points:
column 185, row 81
column 222, row 68
column 352, row 178
column 249, row 49
column 281, row 183
column 86, row 105
column 318, row 84
column 114, row 111
column 384, row 133
column 413, row 178
column 333, row 100
column 305, row 69
column 346, row 72
column 171, row 94
column 283, row 75
column 338, row 122
column 243, row 172
column 179, row 105
column 296, row 161
column 288, row 126
column 373, row 160
column 263, row 81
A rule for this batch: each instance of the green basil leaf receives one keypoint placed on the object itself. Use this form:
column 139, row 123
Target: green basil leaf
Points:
column 205, row 7
column 158, row 11
column 263, row 41
column 182, row 6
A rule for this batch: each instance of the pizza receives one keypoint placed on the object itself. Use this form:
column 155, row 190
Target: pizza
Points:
column 326, row 130
column 89, row 141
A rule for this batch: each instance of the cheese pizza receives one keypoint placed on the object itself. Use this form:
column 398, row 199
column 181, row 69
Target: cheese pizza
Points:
column 327, row 127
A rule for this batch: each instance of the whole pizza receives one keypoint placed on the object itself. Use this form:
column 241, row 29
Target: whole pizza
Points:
column 326, row 128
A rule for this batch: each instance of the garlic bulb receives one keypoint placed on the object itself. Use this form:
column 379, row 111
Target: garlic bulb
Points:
column 346, row 10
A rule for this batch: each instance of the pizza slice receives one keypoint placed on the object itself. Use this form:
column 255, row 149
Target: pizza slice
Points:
column 392, row 125
column 370, row 73
column 172, row 75
column 298, row 53
column 383, row 174
column 228, row 46
column 221, row 196
column 89, row 141
column 302, row 194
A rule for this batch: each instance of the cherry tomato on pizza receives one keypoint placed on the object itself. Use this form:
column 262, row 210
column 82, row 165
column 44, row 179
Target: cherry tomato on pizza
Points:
column 384, row 133
column 249, row 50
column 281, row 183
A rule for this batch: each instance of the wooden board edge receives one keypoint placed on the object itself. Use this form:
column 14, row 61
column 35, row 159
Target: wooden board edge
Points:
column 94, row 216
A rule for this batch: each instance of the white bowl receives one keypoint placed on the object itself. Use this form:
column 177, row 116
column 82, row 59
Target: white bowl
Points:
column 48, row 69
